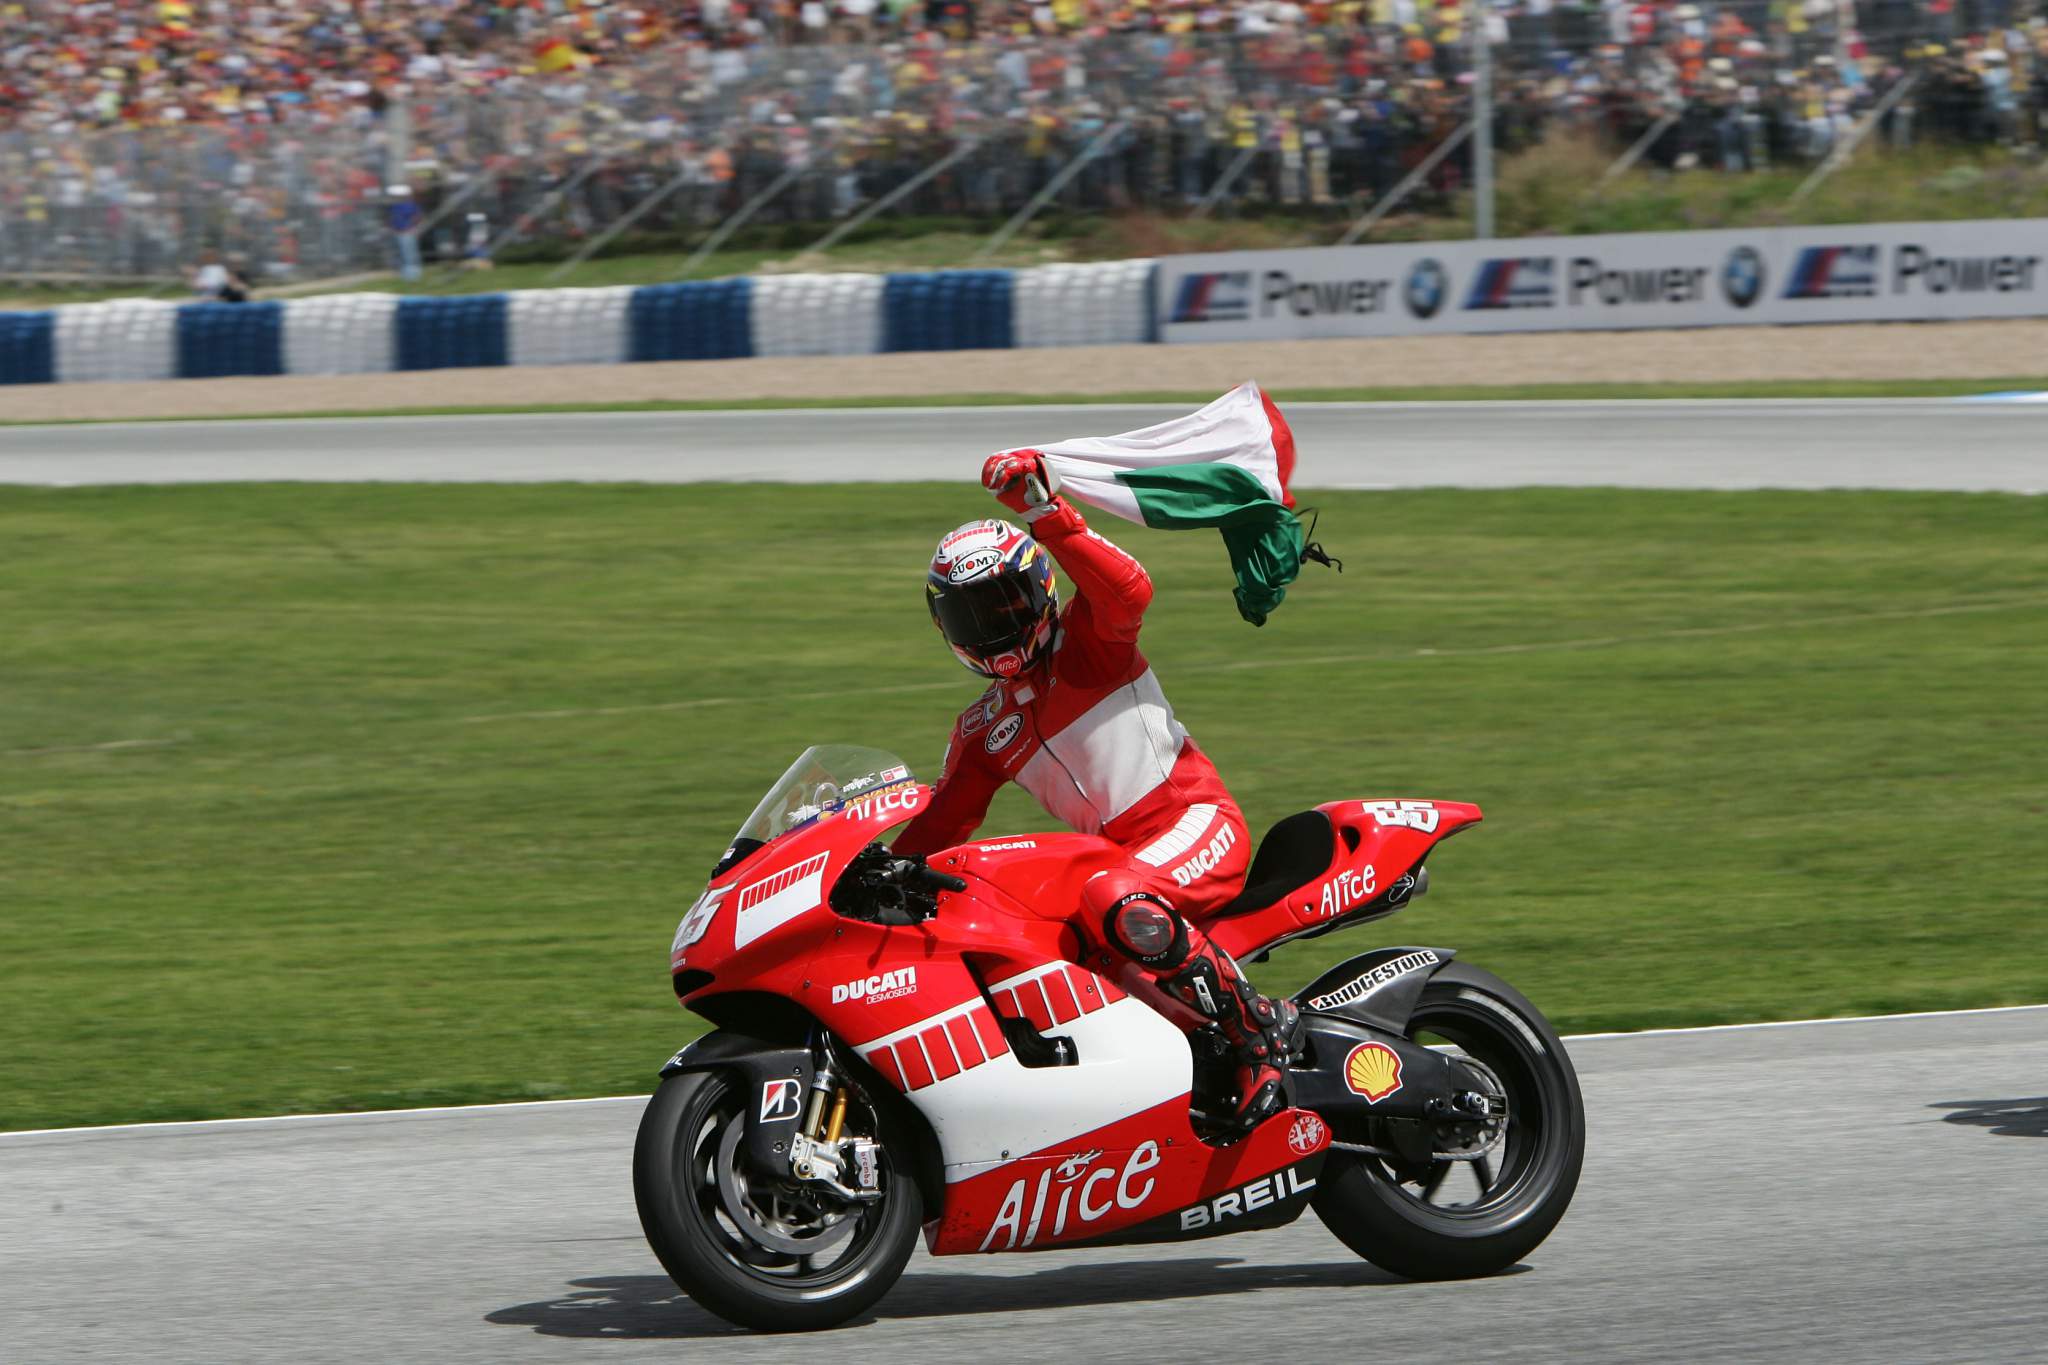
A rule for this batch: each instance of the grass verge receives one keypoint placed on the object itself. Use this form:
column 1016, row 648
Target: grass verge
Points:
column 328, row 796
column 1452, row 393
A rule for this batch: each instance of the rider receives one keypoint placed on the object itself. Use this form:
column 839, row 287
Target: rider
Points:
column 1076, row 718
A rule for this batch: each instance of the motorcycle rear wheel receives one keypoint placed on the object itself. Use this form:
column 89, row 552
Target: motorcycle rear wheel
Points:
column 1402, row 1220
column 748, row 1267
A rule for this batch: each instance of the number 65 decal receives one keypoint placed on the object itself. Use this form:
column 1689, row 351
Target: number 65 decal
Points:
column 1413, row 814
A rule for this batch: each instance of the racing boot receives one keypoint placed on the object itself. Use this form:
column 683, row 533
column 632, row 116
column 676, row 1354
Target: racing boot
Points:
column 1261, row 1032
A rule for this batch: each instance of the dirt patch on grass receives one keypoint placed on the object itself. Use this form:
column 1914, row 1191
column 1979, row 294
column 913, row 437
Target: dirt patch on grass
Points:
column 1876, row 351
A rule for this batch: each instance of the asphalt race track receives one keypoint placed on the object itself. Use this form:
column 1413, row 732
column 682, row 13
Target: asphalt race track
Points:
column 1879, row 443
column 1853, row 1191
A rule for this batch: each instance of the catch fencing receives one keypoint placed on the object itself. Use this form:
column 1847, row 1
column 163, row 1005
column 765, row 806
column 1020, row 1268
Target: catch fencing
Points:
column 1320, row 123
column 1870, row 273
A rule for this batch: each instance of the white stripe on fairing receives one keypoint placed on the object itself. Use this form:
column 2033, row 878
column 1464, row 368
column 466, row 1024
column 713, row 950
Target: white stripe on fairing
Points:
column 912, row 1030
column 1110, row 758
column 1131, row 1059
column 1179, row 839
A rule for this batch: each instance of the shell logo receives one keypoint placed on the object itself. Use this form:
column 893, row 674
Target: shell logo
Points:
column 1372, row 1070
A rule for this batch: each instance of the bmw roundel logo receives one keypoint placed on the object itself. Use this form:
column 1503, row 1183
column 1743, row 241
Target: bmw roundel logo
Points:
column 1742, row 276
column 1425, row 287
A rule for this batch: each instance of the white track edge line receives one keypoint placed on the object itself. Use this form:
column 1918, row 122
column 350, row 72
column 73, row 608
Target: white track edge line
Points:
column 616, row 1099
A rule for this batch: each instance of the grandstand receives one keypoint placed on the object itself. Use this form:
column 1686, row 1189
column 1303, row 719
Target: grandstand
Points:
column 134, row 137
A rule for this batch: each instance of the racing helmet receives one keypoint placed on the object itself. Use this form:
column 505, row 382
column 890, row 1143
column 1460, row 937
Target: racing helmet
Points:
column 991, row 595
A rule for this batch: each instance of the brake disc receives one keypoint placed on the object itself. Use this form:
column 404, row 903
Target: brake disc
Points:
column 775, row 1231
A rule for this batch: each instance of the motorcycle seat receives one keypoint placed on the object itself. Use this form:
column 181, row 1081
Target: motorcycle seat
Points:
column 1294, row 853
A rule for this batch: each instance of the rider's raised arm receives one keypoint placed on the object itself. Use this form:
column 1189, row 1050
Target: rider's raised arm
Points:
column 1115, row 586
column 959, row 803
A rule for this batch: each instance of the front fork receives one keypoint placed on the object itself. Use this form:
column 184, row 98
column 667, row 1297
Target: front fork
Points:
column 821, row 1153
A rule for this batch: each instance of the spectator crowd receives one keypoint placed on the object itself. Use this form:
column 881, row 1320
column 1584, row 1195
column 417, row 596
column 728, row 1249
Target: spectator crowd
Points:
column 314, row 137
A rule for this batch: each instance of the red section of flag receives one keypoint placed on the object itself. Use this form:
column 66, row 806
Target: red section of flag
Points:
column 1283, row 449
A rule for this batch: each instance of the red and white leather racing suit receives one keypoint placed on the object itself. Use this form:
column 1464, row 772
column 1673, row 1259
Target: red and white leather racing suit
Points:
column 1089, row 733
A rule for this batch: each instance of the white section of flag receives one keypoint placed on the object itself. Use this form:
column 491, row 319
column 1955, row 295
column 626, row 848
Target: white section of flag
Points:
column 1232, row 430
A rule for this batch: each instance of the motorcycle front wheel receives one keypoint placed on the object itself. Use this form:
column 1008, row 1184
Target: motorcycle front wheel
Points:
column 772, row 1254
column 1470, row 1215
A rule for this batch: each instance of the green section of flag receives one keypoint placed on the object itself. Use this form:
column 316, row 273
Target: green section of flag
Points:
column 1263, row 537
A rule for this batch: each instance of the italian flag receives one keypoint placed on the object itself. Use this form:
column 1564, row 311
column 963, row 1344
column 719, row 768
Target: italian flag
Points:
column 1226, row 466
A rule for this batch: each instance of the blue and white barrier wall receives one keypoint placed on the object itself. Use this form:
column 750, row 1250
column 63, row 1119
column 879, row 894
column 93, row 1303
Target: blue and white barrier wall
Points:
column 781, row 315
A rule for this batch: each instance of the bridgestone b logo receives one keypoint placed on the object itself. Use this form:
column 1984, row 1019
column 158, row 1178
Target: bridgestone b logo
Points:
column 1361, row 986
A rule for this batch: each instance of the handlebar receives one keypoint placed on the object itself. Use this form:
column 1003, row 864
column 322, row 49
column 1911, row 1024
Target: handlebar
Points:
column 881, row 888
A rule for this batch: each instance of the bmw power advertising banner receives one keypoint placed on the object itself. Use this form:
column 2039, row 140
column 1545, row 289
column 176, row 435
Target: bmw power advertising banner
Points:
column 1891, row 271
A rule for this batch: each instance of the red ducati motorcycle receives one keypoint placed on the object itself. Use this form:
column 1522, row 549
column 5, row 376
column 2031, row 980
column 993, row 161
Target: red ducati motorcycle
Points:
column 906, row 1044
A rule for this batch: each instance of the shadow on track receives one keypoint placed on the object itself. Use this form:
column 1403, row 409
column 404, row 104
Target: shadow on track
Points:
column 633, row 1307
column 2006, row 1118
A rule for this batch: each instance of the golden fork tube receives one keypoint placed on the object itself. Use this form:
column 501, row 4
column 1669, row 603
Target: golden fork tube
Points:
column 838, row 1119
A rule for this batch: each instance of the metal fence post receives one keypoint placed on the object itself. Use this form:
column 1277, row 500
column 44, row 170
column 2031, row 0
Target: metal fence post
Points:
column 838, row 234
column 738, row 220
column 1482, row 121
column 632, row 216
column 1408, row 183
column 1052, row 187
column 540, row 210
column 1635, row 151
column 1224, row 181
column 1838, row 156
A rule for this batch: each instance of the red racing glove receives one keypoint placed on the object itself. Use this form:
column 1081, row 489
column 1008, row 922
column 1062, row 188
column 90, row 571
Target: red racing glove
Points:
column 1022, row 481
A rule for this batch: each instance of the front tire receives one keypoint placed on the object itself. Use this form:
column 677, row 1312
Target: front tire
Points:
column 736, row 1243
column 1408, row 1218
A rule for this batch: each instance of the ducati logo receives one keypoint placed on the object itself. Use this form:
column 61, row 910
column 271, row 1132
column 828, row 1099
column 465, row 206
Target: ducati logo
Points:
column 881, row 986
column 1207, row 860
column 1372, row 1070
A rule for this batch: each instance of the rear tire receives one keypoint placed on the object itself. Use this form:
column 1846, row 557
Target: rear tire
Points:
column 682, row 1153
column 1398, row 1224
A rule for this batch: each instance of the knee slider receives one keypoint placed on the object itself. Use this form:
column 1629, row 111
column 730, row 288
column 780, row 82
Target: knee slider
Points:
column 1136, row 922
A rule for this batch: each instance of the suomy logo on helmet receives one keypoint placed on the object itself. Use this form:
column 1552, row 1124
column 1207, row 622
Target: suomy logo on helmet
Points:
column 972, row 564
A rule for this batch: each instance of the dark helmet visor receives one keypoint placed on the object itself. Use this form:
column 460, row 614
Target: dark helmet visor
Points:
column 993, row 613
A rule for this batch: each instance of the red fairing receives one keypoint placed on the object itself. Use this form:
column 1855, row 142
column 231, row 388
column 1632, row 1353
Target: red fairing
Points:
column 1105, row 1148
column 768, row 914
column 1393, row 838
column 1111, row 1180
